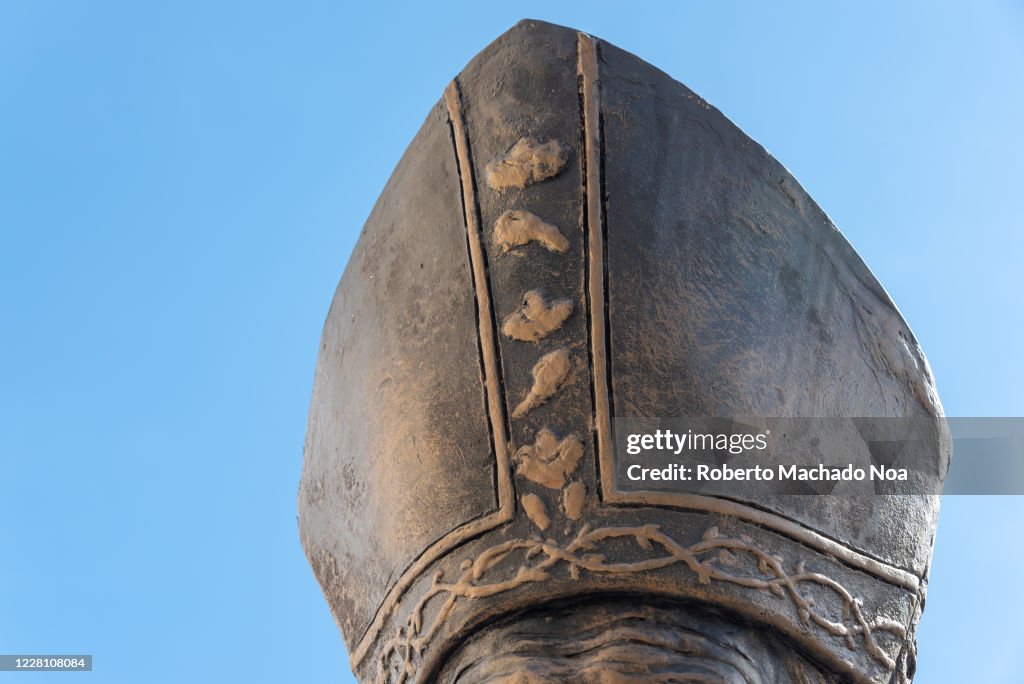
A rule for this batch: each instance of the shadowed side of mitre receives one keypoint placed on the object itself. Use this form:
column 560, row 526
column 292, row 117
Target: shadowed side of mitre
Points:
column 574, row 236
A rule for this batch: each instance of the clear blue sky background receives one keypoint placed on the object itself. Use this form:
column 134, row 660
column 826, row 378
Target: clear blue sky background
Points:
column 181, row 184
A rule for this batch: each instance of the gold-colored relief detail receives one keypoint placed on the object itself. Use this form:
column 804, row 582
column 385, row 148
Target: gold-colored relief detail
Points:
column 528, row 161
column 518, row 227
column 573, row 498
column 549, row 461
column 549, row 374
column 536, row 318
column 536, row 511
column 819, row 601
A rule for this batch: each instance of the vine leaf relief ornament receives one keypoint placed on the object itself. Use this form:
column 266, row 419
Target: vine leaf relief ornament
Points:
column 518, row 227
column 528, row 161
column 549, row 461
column 536, row 318
column 549, row 374
column 573, row 498
column 536, row 511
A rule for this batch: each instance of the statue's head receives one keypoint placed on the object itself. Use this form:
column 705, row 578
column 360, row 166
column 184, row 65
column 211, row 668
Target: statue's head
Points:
column 573, row 236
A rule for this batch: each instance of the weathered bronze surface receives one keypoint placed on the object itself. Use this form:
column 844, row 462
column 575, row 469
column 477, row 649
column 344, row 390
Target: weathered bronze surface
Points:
column 573, row 236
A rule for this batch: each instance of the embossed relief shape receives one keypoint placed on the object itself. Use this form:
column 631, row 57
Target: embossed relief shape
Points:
column 527, row 154
column 550, row 461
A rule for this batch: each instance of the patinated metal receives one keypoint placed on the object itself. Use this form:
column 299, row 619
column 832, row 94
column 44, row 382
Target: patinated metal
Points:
column 572, row 236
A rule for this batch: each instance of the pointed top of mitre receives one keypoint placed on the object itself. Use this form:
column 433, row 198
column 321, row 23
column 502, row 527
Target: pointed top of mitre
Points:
column 574, row 236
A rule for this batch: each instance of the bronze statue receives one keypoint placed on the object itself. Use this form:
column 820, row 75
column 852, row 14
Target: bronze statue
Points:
column 573, row 236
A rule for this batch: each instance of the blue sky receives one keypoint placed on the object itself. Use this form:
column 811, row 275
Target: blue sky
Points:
column 181, row 185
